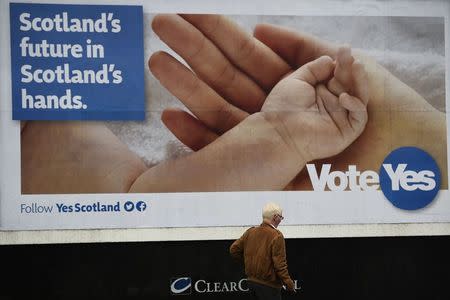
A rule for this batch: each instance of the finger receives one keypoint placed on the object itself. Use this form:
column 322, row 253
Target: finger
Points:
column 360, row 82
column 316, row 71
column 342, row 80
column 189, row 130
column 295, row 48
column 198, row 97
column 335, row 86
column 208, row 62
column 343, row 70
column 331, row 103
column 243, row 50
column 357, row 111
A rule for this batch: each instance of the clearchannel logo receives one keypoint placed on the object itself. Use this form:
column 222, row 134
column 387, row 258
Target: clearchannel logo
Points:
column 409, row 178
column 181, row 286
column 185, row 286
column 96, row 207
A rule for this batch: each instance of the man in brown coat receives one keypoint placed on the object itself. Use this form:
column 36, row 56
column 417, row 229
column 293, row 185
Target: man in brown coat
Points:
column 264, row 253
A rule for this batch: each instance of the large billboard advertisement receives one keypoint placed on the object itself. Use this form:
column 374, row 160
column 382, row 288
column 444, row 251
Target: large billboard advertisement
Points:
column 139, row 115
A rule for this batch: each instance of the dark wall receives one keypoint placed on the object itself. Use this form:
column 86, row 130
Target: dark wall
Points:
column 332, row 268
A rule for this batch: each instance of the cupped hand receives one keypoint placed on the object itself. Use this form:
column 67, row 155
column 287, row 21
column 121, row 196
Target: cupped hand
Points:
column 311, row 119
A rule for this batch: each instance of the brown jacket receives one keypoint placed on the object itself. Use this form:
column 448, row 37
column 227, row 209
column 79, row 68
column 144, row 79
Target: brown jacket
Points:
column 264, row 254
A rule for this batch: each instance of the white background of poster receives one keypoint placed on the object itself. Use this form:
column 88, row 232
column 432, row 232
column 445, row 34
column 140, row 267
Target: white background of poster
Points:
column 208, row 223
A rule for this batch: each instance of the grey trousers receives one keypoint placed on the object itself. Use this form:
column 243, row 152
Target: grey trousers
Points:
column 263, row 292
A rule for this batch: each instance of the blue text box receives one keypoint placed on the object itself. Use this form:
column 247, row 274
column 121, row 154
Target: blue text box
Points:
column 77, row 62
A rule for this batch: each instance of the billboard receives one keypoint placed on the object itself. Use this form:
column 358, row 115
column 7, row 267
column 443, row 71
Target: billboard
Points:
column 141, row 115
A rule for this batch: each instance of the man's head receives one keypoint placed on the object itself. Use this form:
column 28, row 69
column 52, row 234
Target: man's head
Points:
column 272, row 214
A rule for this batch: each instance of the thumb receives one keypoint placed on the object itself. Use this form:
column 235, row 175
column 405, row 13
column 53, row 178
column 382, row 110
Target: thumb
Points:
column 315, row 71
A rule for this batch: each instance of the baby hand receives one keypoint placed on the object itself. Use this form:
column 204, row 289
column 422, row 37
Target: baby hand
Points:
column 312, row 120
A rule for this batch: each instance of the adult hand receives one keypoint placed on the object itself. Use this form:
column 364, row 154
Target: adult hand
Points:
column 233, row 73
column 398, row 116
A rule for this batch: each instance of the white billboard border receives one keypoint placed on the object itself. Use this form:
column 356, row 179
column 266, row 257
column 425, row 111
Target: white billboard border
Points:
column 284, row 7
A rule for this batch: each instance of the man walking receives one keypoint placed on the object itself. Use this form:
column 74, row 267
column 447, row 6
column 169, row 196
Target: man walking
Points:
column 264, row 253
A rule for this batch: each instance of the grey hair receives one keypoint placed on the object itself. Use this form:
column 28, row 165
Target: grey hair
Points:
column 271, row 209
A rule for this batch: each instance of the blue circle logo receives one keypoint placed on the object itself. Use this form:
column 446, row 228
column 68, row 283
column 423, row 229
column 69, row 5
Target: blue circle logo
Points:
column 141, row 205
column 410, row 178
column 128, row 206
